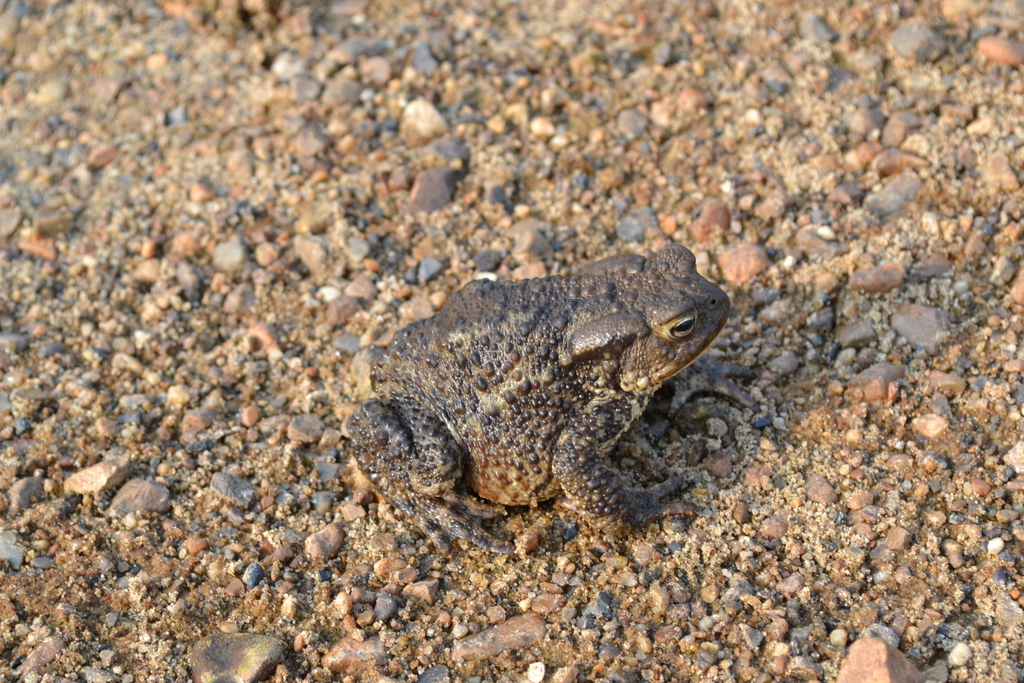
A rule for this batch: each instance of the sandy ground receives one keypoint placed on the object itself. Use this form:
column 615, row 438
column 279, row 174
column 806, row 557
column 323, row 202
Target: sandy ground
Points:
column 210, row 212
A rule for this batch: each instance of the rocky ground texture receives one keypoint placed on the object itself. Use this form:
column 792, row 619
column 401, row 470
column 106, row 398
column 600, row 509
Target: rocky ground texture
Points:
column 212, row 212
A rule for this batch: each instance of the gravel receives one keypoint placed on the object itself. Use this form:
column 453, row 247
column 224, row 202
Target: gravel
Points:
column 213, row 216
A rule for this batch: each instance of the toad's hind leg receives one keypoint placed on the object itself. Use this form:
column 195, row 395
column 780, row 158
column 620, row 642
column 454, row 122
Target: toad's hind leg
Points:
column 412, row 459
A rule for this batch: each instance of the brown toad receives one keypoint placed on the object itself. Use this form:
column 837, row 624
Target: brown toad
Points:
column 522, row 388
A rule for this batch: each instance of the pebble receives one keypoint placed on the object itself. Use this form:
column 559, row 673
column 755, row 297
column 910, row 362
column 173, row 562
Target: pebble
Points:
column 375, row 71
column 514, row 633
column 306, row 428
column 10, row 220
column 1014, row 458
column 542, row 127
column 312, row 251
column 743, row 263
column 998, row 175
column 429, row 268
column 325, row 544
column 304, row 89
column 341, row 90
column 342, row 309
column 855, row 334
column 385, row 607
column 433, row 674
column 718, row 464
column 432, row 190
column 253, row 575
column 112, row 471
column 233, row 489
column 24, row 493
column 350, row 656
column 140, row 495
column 917, row 40
column 424, row 591
column 230, row 256
column 423, row 59
column 531, row 242
column 1009, row 613
column 920, row 325
column 814, row 27
column 891, row 198
column 713, row 221
column 1001, row 50
column 635, row 225
column 960, row 655
column 860, row 500
column 535, row 672
column 42, row 654
column 632, row 123
column 235, row 657
column 786, row 363
column 774, row 527
column 930, row 426
column 100, row 156
column 10, row 551
column 819, row 489
column 878, row 279
column 872, row 660
column 421, row 122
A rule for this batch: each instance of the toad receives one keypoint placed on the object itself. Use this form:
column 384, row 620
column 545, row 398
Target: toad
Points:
column 520, row 389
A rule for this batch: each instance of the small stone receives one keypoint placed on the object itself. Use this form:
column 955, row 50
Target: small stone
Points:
column 304, row 89
column 774, row 527
column 147, row 272
column 423, row 59
column 1014, row 457
column 10, row 220
column 305, row 428
column 24, row 493
column 362, row 287
column 42, row 654
column 139, row 495
column 1001, row 50
column 719, row 464
column 235, row 657
column 113, row 471
column 855, row 334
column 375, row 71
column 10, row 551
column 713, row 221
column 632, row 123
column 997, row 174
column 342, row 309
column 1008, row 611
column 325, row 544
column 860, row 500
column 350, row 656
column 230, row 256
column 917, row 40
column 424, row 591
column 891, row 198
column 920, row 325
column 531, row 243
column 421, row 122
column 846, row 193
column 930, row 426
column 312, row 251
column 432, row 190
column 51, row 92
column 785, row 363
column 635, row 225
column 743, row 263
column 541, row 127
column 429, row 268
column 878, row 279
column 342, row 90
column 514, row 633
column 898, row 539
column 819, row 489
column 234, row 489
column 872, row 660
column 960, row 655
column 814, row 27
column 101, row 156
column 253, row 575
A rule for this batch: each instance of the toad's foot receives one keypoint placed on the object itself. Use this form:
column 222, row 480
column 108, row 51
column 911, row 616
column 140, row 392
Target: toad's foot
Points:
column 708, row 375
column 444, row 520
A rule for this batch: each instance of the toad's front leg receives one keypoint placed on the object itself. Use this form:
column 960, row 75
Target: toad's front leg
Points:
column 412, row 460
column 598, row 492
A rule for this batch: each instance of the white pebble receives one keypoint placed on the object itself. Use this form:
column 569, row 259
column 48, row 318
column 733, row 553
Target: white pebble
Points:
column 959, row 655
column 995, row 546
column 535, row 672
column 839, row 637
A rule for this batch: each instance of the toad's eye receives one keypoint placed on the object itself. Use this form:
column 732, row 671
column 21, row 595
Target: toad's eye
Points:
column 683, row 326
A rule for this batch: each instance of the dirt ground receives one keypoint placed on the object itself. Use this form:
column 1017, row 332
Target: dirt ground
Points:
column 212, row 213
